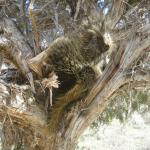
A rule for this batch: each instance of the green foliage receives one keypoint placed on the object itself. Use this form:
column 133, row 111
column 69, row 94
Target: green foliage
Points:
column 123, row 106
column 133, row 2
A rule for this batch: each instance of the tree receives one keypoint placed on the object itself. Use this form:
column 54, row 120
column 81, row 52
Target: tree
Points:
column 51, row 89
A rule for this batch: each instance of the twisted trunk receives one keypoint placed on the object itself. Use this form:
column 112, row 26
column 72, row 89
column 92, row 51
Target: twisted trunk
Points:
column 31, row 125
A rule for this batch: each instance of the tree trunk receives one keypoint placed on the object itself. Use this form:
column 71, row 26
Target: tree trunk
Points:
column 29, row 127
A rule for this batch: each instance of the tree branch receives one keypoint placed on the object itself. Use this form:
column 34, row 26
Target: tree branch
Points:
column 112, row 79
column 15, row 49
column 11, row 32
column 32, row 17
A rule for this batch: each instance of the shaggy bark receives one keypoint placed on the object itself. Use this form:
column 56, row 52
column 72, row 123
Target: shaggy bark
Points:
column 34, row 130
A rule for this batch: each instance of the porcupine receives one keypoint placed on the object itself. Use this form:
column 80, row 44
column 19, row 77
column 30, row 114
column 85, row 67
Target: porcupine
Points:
column 72, row 58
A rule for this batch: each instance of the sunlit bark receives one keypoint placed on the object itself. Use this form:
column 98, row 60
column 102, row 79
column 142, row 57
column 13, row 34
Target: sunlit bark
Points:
column 32, row 124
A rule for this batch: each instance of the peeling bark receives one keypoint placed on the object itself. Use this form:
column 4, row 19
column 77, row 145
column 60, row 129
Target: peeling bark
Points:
column 32, row 124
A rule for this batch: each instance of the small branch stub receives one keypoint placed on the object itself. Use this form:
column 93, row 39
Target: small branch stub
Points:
column 50, row 83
